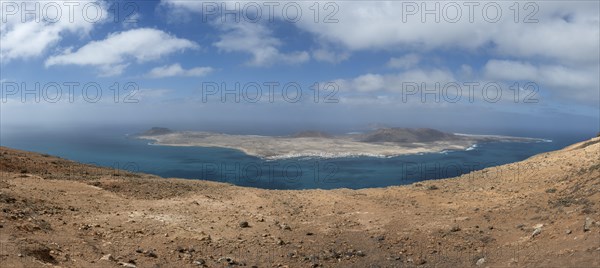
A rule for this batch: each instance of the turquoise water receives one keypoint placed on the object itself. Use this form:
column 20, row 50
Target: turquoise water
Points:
column 115, row 149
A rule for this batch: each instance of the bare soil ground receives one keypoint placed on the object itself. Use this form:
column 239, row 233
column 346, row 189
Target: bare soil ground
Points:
column 541, row 212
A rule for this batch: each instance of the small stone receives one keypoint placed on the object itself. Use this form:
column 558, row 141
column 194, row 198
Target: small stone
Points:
column 244, row 224
column 536, row 232
column 19, row 255
column 455, row 228
column 139, row 250
column 128, row 265
column 480, row 262
column 107, row 257
column 432, row 187
column 200, row 262
column 568, row 231
column 151, row 254
column 587, row 225
column 229, row 260
column 309, row 233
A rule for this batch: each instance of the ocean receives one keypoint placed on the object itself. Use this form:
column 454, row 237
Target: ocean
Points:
column 117, row 149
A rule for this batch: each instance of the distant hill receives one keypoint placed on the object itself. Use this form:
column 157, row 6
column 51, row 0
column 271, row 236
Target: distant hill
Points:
column 311, row 134
column 156, row 131
column 407, row 135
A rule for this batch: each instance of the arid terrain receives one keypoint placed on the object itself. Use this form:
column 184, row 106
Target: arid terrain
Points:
column 383, row 142
column 541, row 212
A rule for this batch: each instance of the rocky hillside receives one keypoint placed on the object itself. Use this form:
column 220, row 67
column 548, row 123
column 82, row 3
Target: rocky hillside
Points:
column 156, row 131
column 407, row 135
column 541, row 212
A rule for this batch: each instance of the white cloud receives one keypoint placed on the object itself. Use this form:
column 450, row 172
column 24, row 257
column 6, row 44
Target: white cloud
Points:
column 112, row 54
column 257, row 40
column 404, row 62
column 380, row 26
column 579, row 83
column 509, row 70
column 330, row 56
column 368, row 82
column 183, row 6
column 394, row 82
column 177, row 70
column 559, row 30
column 22, row 39
column 564, row 31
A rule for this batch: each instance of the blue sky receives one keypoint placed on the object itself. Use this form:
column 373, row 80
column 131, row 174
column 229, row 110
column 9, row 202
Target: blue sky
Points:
column 368, row 53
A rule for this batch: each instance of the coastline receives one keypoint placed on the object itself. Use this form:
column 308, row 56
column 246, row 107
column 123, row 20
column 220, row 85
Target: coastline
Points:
column 540, row 212
column 278, row 147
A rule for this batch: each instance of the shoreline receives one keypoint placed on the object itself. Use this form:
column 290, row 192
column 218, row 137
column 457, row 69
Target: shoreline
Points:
column 63, row 213
column 281, row 147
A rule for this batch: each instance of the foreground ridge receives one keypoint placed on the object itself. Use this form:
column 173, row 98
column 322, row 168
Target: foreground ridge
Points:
column 541, row 212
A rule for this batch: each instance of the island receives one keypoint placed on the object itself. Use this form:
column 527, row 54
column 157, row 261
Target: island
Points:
column 383, row 142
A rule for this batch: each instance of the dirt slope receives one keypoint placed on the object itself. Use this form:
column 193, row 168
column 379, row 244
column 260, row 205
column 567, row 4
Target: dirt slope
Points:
column 533, row 213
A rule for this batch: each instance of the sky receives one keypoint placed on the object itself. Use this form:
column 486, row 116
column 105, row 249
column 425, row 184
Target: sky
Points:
column 503, row 67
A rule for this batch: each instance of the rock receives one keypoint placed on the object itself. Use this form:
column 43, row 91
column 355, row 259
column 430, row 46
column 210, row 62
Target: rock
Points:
column 455, row 228
column 107, row 257
column 587, row 225
column 432, row 187
column 536, row 232
column 480, row 262
column 244, row 224
column 309, row 233
column 151, row 254
column 200, row 262
column 229, row 260
column 285, row 227
column 128, row 265
column 568, row 231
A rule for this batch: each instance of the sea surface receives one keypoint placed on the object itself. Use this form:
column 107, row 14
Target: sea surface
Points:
column 117, row 149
